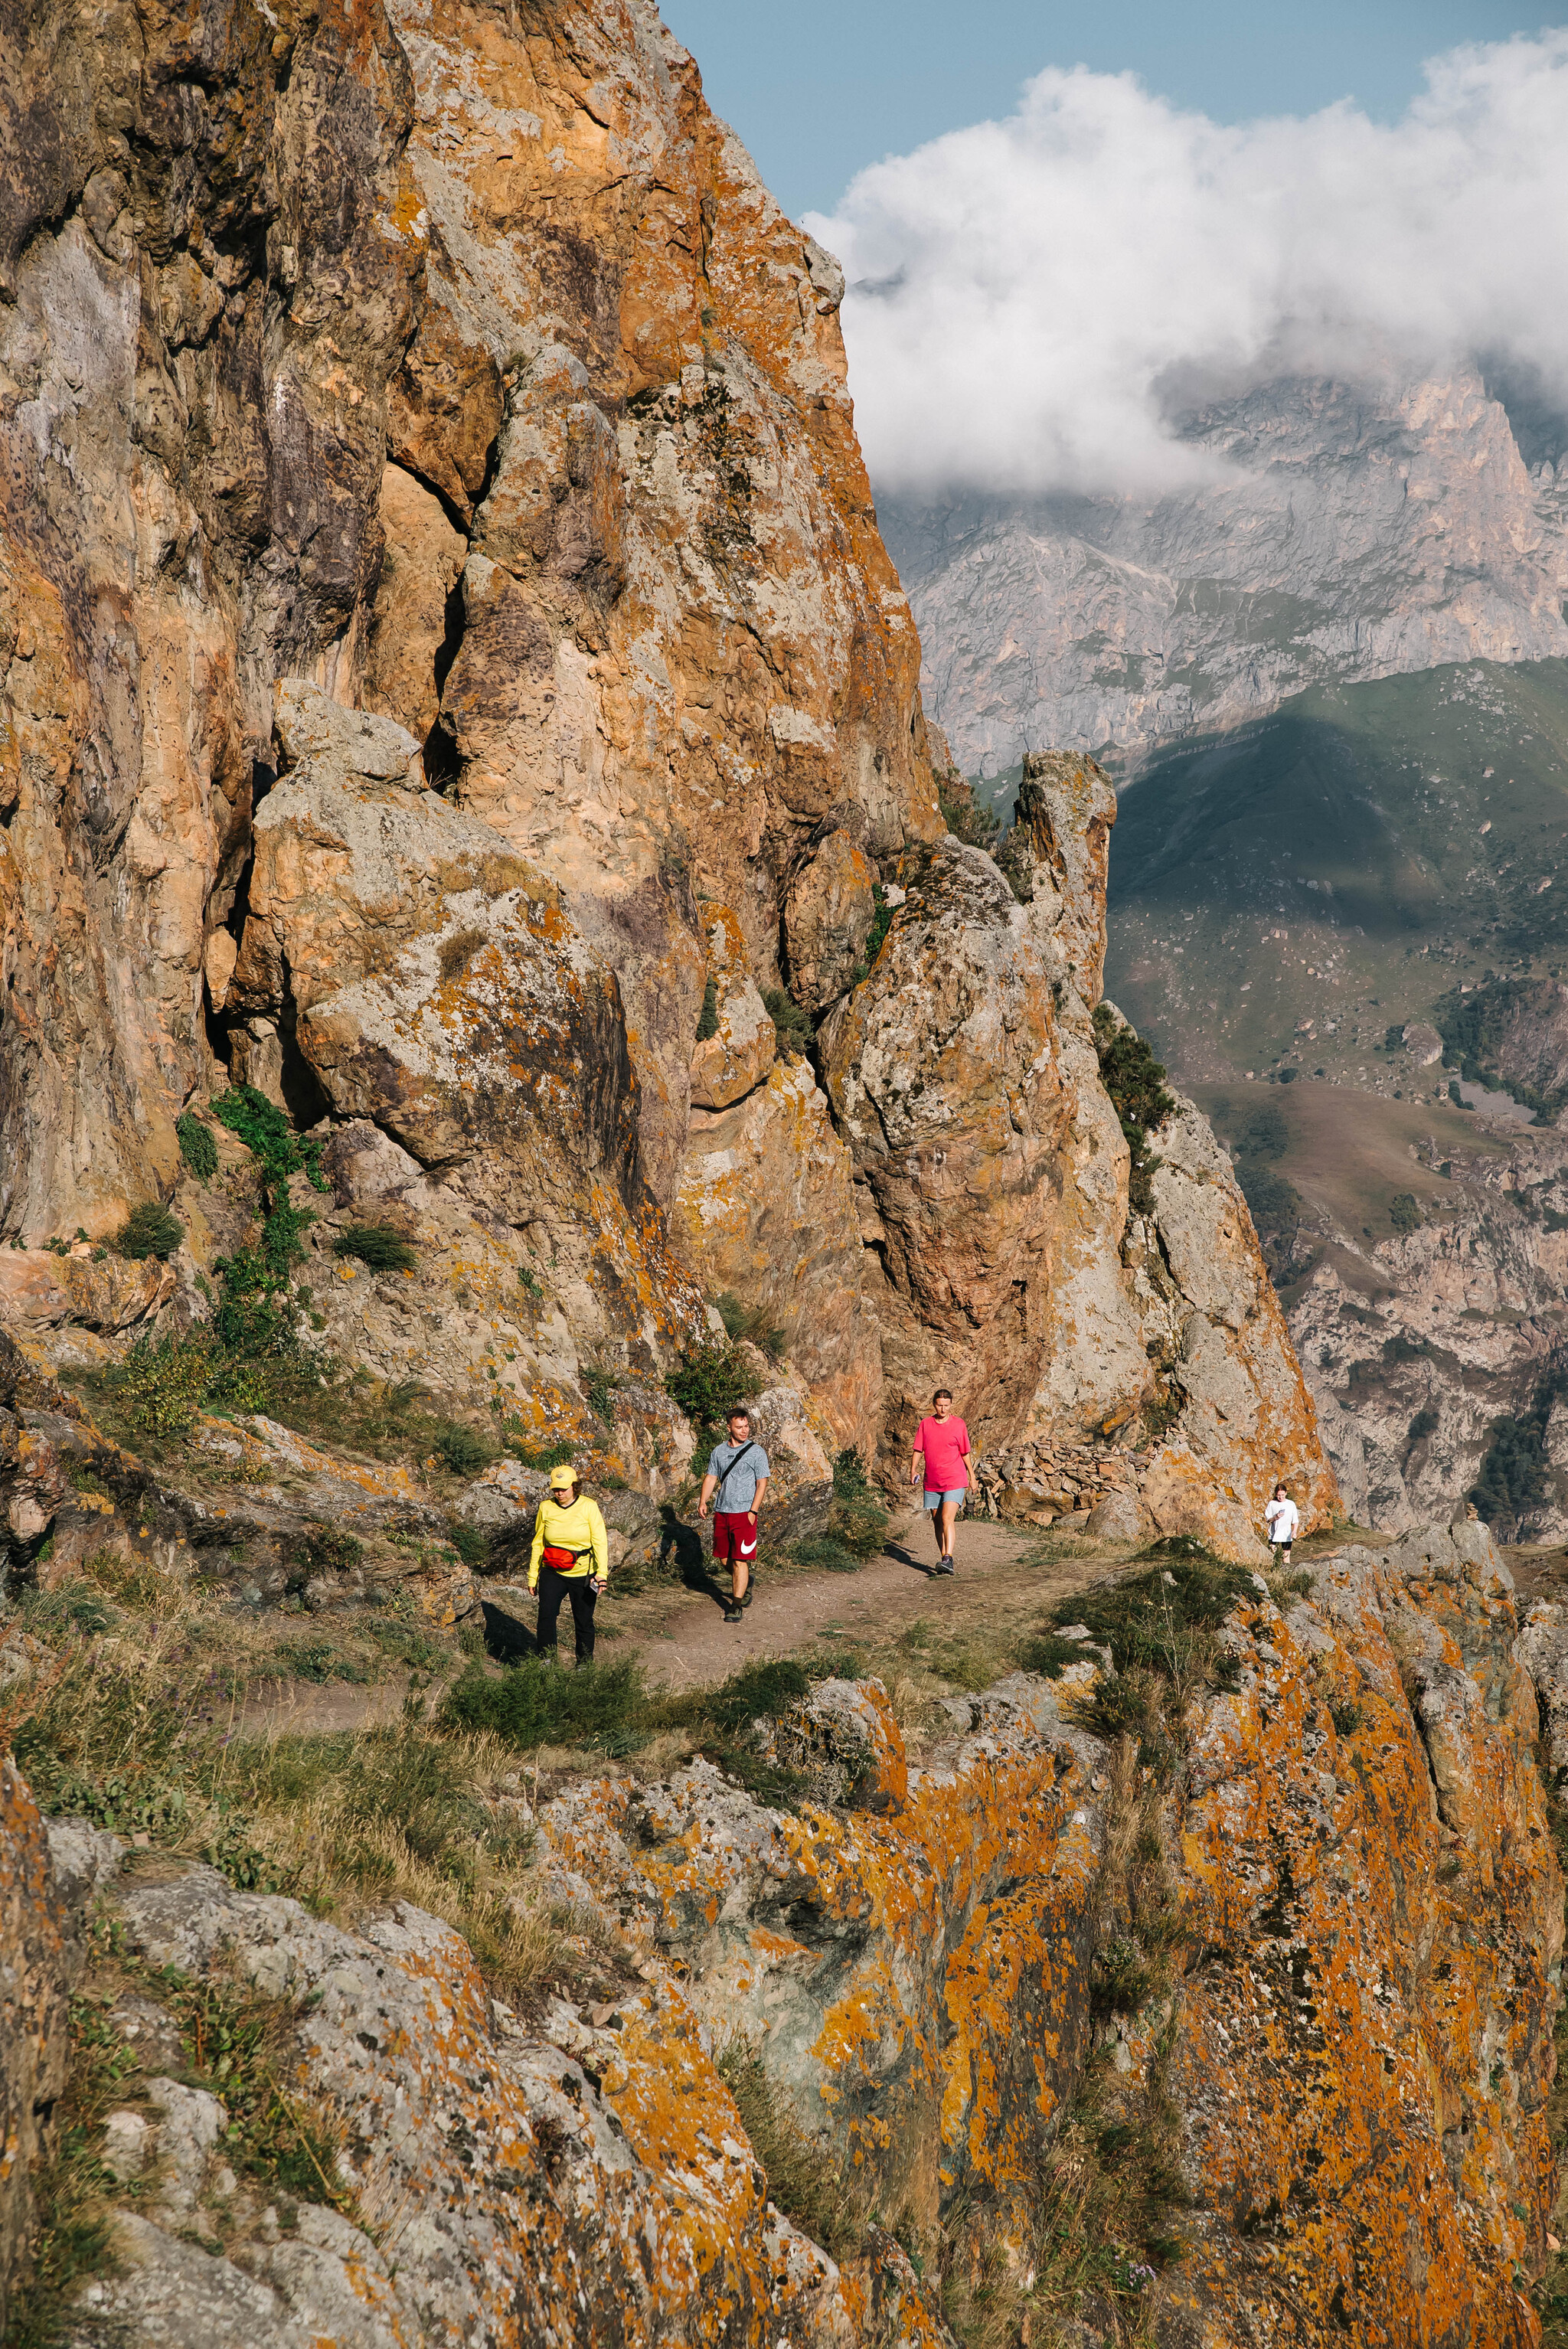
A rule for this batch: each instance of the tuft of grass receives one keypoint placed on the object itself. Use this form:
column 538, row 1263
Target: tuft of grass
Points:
column 750, row 1322
column 824, row 1554
column 73, row 2239
column 197, row 1146
column 470, row 1542
column 811, row 2182
column 150, row 1229
column 707, row 1019
column 379, row 1246
column 599, row 1385
column 459, row 1449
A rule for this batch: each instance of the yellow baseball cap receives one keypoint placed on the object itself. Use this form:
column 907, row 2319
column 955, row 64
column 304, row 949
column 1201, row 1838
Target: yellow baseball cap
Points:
column 561, row 1477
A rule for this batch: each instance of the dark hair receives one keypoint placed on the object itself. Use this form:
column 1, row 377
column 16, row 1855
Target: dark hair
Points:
column 1280, row 1487
column 940, row 1393
column 737, row 1410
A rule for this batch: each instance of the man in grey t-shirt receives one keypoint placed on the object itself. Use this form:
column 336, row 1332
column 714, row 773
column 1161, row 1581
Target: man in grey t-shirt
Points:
column 738, row 1474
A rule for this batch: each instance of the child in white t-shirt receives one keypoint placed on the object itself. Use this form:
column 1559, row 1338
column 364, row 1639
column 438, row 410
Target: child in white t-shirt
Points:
column 1282, row 1517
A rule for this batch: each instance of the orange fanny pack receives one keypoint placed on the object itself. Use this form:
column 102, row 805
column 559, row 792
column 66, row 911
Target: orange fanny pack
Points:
column 561, row 1561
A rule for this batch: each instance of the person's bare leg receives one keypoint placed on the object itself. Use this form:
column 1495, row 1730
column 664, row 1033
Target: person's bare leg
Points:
column 949, row 1514
column 935, row 1516
column 739, row 1576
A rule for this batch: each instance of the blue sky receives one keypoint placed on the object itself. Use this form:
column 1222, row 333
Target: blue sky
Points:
column 818, row 88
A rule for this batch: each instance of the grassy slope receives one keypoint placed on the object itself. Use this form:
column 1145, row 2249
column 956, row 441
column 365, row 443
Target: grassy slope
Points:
column 1350, row 1153
column 1221, row 946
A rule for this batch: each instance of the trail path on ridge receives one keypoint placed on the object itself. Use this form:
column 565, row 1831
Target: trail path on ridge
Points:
column 1001, row 1581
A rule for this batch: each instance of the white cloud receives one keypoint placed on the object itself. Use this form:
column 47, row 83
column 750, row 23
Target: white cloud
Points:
column 1021, row 290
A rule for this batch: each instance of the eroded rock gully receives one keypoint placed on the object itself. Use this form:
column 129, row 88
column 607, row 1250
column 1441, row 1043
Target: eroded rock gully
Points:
column 442, row 624
column 1345, row 2056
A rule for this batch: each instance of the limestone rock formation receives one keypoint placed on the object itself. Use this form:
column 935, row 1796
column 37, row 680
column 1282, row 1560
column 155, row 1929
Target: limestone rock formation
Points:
column 443, row 625
column 1341, row 2060
column 1325, row 546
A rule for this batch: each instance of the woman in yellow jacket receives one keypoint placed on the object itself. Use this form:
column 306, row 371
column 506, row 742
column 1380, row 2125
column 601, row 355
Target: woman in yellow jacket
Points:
column 571, row 1560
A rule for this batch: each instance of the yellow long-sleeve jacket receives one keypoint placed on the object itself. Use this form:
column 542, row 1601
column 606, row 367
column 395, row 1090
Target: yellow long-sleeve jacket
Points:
column 580, row 1527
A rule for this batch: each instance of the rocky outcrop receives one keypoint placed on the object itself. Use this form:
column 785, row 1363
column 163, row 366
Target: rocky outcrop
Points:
column 1311, row 1957
column 414, row 737
column 1324, row 547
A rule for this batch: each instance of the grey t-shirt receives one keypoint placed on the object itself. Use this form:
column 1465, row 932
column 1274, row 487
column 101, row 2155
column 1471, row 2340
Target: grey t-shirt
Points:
column 736, row 1491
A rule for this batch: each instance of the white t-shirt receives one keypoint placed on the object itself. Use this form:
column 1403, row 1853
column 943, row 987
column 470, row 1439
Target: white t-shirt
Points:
column 1282, row 1518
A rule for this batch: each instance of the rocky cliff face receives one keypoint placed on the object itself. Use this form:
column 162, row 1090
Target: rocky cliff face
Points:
column 1352, row 530
column 1435, row 1355
column 1302, row 1960
column 445, row 628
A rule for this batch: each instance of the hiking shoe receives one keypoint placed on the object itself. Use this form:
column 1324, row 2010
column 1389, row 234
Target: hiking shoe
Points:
column 733, row 1612
column 745, row 1600
column 945, row 1566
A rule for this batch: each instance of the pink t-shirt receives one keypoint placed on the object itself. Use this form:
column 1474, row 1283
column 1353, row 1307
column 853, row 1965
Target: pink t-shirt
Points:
column 944, row 1443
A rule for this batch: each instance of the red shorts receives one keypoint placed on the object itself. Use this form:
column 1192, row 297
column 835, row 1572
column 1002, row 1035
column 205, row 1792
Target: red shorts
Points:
column 734, row 1536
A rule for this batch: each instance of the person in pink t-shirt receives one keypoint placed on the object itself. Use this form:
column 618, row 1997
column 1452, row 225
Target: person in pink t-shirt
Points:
column 941, row 1461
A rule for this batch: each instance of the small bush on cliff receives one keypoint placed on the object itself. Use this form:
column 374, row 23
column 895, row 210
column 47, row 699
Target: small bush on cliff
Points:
column 197, row 1146
column 380, row 1245
column 1136, row 1082
column 150, row 1230
column 709, row 1380
column 707, row 1019
column 792, row 1028
column 460, row 1450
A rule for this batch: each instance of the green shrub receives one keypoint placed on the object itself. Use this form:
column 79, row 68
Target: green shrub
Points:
column 707, row 1020
column 150, row 1230
column 163, row 1382
column 599, row 1385
column 197, row 1146
column 534, row 1703
column 710, row 1380
column 1403, row 1212
column 792, row 1028
column 379, row 1246
column 1424, row 1424
column 826, row 1555
column 325, row 1550
column 461, row 1450
column 279, row 1153
column 470, row 1542
column 1135, row 1081
column 851, row 1482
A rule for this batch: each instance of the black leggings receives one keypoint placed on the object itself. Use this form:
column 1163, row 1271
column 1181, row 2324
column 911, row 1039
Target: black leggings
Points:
column 579, row 1589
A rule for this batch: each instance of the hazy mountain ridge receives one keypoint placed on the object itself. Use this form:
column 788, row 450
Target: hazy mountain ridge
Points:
column 1351, row 532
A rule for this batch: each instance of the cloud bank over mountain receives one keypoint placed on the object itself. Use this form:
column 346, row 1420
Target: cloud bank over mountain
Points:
column 1033, row 302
